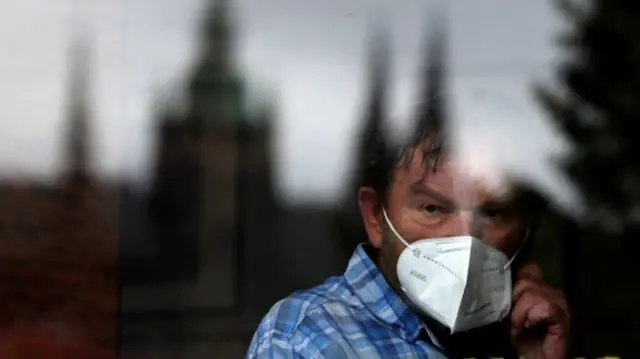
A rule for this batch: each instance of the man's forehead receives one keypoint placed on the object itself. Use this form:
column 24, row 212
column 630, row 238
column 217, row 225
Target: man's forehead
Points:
column 456, row 178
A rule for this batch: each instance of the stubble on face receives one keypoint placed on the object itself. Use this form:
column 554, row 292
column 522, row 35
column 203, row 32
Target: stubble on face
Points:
column 388, row 256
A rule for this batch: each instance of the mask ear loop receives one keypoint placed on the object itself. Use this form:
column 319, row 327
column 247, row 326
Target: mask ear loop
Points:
column 393, row 230
column 526, row 238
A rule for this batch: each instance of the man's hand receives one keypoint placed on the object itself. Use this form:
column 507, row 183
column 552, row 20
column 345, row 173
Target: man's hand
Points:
column 540, row 317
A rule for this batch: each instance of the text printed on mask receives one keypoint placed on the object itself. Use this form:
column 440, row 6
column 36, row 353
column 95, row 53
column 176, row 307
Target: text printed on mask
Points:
column 419, row 275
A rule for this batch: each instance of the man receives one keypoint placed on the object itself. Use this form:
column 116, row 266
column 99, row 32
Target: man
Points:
column 415, row 201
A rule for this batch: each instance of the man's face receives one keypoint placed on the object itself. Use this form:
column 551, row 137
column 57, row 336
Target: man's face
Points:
column 442, row 203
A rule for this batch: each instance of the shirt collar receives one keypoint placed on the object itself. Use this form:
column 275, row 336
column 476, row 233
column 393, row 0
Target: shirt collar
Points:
column 373, row 290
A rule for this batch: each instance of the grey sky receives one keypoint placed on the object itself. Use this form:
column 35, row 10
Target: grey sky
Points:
column 312, row 52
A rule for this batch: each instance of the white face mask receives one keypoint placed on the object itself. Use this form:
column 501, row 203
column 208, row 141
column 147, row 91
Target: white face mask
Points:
column 459, row 281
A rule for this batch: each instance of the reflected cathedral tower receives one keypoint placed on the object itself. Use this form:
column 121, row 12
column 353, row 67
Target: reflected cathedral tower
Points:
column 211, row 193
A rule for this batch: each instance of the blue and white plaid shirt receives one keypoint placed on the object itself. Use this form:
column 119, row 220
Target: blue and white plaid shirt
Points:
column 357, row 315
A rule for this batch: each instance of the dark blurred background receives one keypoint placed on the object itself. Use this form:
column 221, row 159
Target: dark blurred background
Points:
column 172, row 168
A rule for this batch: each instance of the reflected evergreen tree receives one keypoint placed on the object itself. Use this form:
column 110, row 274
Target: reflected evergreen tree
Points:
column 598, row 112
column 597, row 109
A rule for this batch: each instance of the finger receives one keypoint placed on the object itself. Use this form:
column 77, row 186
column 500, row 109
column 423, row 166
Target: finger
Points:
column 522, row 286
column 552, row 294
column 535, row 308
column 531, row 271
column 520, row 311
column 542, row 311
column 560, row 300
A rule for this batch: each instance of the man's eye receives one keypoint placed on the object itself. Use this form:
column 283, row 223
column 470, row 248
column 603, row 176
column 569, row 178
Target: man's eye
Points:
column 492, row 212
column 432, row 209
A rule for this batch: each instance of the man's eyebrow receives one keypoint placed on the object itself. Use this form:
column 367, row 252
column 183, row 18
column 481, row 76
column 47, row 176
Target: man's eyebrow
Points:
column 504, row 200
column 418, row 188
column 497, row 203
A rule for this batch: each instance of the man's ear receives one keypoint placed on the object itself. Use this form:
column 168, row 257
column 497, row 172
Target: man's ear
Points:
column 370, row 208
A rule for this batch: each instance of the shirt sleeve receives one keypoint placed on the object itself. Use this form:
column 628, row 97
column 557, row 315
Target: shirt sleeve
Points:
column 281, row 349
column 290, row 331
column 272, row 349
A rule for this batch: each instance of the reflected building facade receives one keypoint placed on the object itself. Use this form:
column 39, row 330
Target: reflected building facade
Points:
column 58, row 250
column 210, row 208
